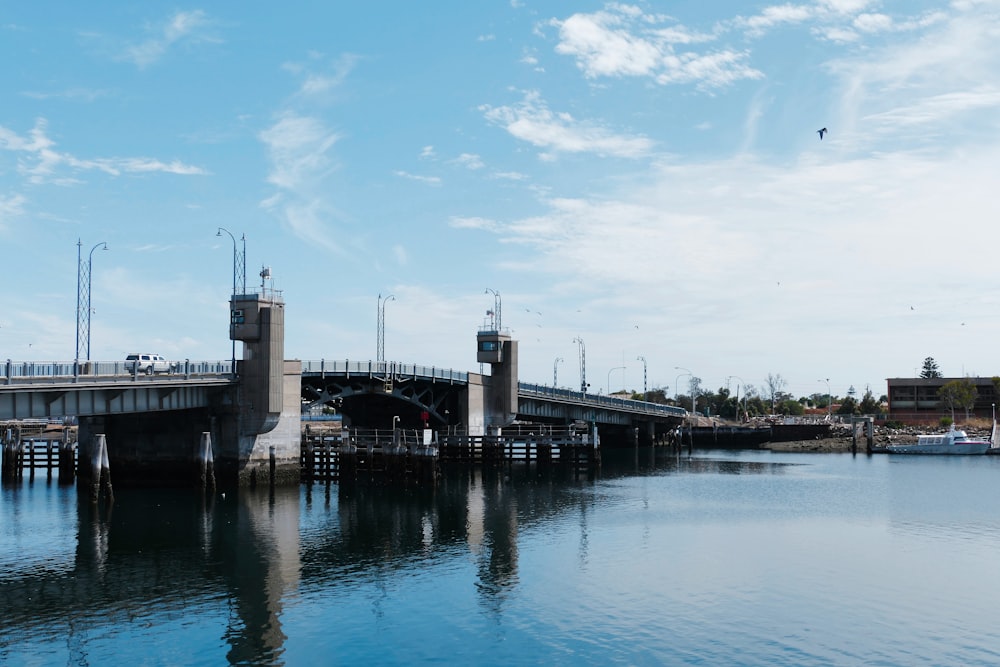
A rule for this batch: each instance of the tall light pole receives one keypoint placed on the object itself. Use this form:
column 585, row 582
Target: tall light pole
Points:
column 829, row 397
column 239, row 277
column 616, row 368
column 83, row 285
column 738, row 395
column 555, row 372
column 496, row 307
column 677, row 385
column 644, row 386
column 583, row 364
column 380, row 343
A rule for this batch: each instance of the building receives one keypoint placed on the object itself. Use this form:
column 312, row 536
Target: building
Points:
column 916, row 400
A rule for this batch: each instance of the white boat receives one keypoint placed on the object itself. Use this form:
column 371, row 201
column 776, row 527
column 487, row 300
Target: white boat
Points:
column 955, row 441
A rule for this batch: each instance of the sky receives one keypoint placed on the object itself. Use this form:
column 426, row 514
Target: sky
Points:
column 644, row 177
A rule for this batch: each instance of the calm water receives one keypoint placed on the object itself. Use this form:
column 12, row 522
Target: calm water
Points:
column 746, row 558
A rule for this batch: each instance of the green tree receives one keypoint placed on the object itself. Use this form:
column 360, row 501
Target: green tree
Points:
column 930, row 369
column 848, row 406
column 790, row 406
column 868, row 405
column 958, row 394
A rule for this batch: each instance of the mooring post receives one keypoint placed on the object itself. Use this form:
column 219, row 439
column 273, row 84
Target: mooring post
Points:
column 100, row 468
column 206, row 462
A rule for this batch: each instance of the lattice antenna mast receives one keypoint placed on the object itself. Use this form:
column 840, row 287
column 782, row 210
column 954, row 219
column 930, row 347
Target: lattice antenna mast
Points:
column 83, row 289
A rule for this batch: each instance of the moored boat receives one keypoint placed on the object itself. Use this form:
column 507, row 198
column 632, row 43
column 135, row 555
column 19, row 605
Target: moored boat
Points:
column 955, row 441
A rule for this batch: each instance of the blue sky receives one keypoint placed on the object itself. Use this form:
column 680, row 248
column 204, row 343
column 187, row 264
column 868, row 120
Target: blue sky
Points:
column 646, row 177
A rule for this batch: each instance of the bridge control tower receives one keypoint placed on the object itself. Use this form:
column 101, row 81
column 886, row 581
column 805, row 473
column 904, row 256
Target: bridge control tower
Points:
column 262, row 437
column 496, row 348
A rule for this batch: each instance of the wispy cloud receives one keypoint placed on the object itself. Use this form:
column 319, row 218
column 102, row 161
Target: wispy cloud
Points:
column 470, row 161
column 429, row 180
column 298, row 148
column 181, row 28
column 531, row 120
column 319, row 78
column 474, row 223
column 42, row 163
column 622, row 41
column 72, row 94
column 11, row 206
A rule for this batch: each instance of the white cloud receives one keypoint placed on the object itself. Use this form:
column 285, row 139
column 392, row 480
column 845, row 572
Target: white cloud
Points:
column 470, row 161
column 473, row 223
column 429, row 180
column 621, row 41
column 298, row 148
column 11, row 206
column 182, row 27
column 427, row 152
column 42, row 163
column 532, row 121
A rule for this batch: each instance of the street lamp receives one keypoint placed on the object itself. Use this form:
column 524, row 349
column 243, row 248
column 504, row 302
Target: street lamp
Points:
column 583, row 364
column 555, row 372
column 239, row 278
column 496, row 307
column 616, row 368
column 380, row 334
column 677, row 385
column 644, row 387
column 829, row 397
column 738, row 395
column 83, row 285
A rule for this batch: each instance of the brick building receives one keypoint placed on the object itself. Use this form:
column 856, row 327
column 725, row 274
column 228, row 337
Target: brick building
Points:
column 916, row 400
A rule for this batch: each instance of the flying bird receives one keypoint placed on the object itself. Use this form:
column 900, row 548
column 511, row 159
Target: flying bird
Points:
column 821, row 132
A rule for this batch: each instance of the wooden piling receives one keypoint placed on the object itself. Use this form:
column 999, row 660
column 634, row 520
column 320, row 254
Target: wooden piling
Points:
column 100, row 468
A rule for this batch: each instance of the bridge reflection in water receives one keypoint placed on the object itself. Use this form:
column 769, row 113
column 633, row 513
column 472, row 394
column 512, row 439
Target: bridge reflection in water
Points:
column 88, row 583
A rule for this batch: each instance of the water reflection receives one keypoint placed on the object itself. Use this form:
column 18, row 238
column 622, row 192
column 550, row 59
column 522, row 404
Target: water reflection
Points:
column 229, row 573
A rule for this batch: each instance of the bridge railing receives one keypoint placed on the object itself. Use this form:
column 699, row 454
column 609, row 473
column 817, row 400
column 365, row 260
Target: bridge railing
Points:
column 382, row 369
column 570, row 396
column 30, row 371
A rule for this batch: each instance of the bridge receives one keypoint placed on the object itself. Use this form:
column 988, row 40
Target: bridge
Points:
column 251, row 411
column 33, row 390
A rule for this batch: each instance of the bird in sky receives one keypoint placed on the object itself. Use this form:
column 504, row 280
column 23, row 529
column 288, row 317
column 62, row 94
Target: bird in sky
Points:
column 821, row 132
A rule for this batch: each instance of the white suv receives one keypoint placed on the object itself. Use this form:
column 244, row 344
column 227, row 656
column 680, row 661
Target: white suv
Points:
column 148, row 364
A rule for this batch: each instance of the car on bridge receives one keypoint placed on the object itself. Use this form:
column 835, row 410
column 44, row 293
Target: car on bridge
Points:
column 148, row 364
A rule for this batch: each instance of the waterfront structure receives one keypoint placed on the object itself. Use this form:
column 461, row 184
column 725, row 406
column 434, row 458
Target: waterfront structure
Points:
column 917, row 400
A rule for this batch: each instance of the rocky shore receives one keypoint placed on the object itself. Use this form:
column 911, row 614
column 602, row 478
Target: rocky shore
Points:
column 840, row 440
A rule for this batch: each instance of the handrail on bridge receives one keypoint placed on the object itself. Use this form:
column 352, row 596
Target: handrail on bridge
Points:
column 567, row 395
column 15, row 372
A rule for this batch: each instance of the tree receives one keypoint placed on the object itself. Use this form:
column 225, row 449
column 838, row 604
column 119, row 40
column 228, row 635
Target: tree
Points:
column 869, row 406
column 775, row 383
column 958, row 394
column 848, row 406
column 930, row 369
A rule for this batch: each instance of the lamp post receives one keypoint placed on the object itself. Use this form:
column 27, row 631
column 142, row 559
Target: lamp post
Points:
column 380, row 333
column 738, row 395
column 83, row 285
column 677, row 385
column 239, row 277
column 616, row 368
column 496, row 307
column 583, row 364
column 829, row 397
column 555, row 372
column 644, row 385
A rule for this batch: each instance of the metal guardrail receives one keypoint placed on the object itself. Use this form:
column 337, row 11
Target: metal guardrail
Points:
column 382, row 369
column 570, row 396
column 26, row 372
column 29, row 372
